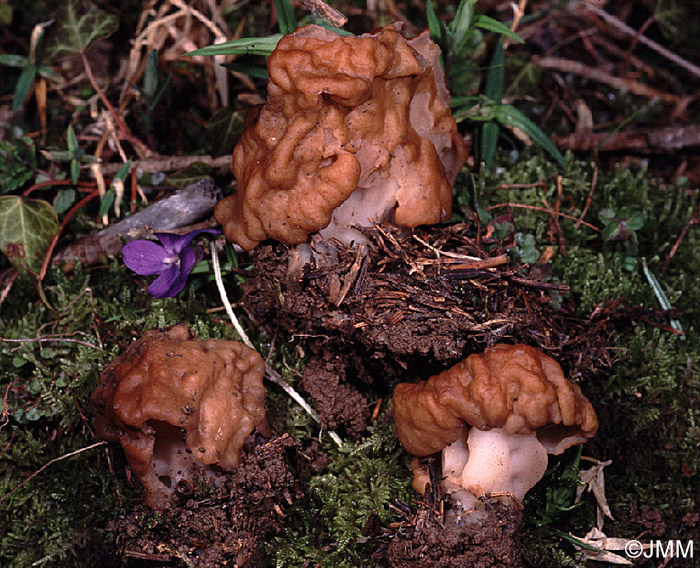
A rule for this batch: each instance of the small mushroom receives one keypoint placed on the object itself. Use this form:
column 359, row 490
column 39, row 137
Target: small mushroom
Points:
column 179, row 406
column 355, row 129
column 495, row 417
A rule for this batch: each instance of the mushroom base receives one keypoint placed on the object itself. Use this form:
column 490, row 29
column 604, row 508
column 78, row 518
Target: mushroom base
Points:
column 492, row 462
column 172, row 466
column 487, row 463
column 212, row 526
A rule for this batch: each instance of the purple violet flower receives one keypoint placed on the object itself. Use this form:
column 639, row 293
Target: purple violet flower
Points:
column 172, row 260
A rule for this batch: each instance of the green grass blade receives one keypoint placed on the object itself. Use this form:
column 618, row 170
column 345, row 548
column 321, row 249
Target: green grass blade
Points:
column 462, row 22
column 495, row 79
column 24, row 85
column 434, row 24
column 470, row 101
column 339, row 31
column 12, row 60
column 489, row 142
column 660, row 294
column 511, row 116
column 245, row 46
column 285, row 16
column 72, row 140
column 491, row 25
column 48, row 73
column 254, row 71
column 493, row 90
column 123, row 171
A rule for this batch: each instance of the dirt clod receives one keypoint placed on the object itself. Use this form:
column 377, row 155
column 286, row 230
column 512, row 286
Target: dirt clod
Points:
column 216, row 526
column 337, row 402
column 432, row 540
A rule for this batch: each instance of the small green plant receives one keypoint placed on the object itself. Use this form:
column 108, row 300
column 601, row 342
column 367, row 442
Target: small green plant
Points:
column 622, row 225
column 30, row 67
column 17, row 163
column 461, row 42
column 74, row 155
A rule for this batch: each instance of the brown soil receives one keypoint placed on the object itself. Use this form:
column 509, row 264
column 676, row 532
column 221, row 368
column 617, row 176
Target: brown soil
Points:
column 337, row 402
column 433, row 540
column 410, row 304
column 429, row 296
column 215, row 526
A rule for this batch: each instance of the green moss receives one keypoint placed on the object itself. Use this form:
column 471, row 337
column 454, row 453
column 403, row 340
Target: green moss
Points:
column 361, row 481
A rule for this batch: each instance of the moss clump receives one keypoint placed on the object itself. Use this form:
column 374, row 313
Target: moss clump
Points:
column 361, row 481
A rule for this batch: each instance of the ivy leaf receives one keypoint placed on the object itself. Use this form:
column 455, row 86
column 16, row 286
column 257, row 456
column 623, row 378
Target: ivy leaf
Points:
column 225, row 129
column 17, row 163
column 78, row 24
column 26, row 229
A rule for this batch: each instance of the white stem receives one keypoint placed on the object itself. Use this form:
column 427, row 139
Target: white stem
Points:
column 270, row 373
column 224, row 298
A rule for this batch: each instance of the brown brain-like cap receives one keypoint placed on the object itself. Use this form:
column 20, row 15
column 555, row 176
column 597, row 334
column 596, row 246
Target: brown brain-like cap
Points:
column 514, row 387
column 175, row 403
column 366, row 116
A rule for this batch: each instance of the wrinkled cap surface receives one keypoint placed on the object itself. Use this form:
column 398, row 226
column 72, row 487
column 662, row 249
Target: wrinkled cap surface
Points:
column 354, row 127
column 514, row 387
column 175, row 402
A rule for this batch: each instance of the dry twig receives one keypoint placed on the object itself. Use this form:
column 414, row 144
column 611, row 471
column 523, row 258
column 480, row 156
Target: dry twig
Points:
column 43, row 467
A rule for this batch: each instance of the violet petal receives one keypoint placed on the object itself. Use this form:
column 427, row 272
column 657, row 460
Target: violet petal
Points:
column 188, row 258
column 170, row 242
column 176, row 243
column 145, row 257
column 170, row 283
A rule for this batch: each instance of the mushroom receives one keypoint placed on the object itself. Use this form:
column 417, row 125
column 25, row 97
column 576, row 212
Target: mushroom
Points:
column 179, row 406
column 495, row 416
column 355, row 129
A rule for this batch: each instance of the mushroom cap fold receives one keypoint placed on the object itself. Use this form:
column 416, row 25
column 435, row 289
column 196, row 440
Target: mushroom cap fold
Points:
column 176, row 403
column 366, row 116
column 513, row 387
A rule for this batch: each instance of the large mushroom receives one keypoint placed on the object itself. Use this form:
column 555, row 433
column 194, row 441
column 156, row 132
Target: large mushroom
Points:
column 179, row 406
column 495, row 417
column 355, row 129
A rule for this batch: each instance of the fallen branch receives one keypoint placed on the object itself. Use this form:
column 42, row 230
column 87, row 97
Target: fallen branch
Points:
column 159, row 164
column 651, row 44
column 647, row 141
column 600, row 76
column 545, row 210
column 180, row 209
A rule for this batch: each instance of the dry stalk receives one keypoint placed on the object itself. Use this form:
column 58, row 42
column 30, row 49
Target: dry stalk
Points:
column 270, row 373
